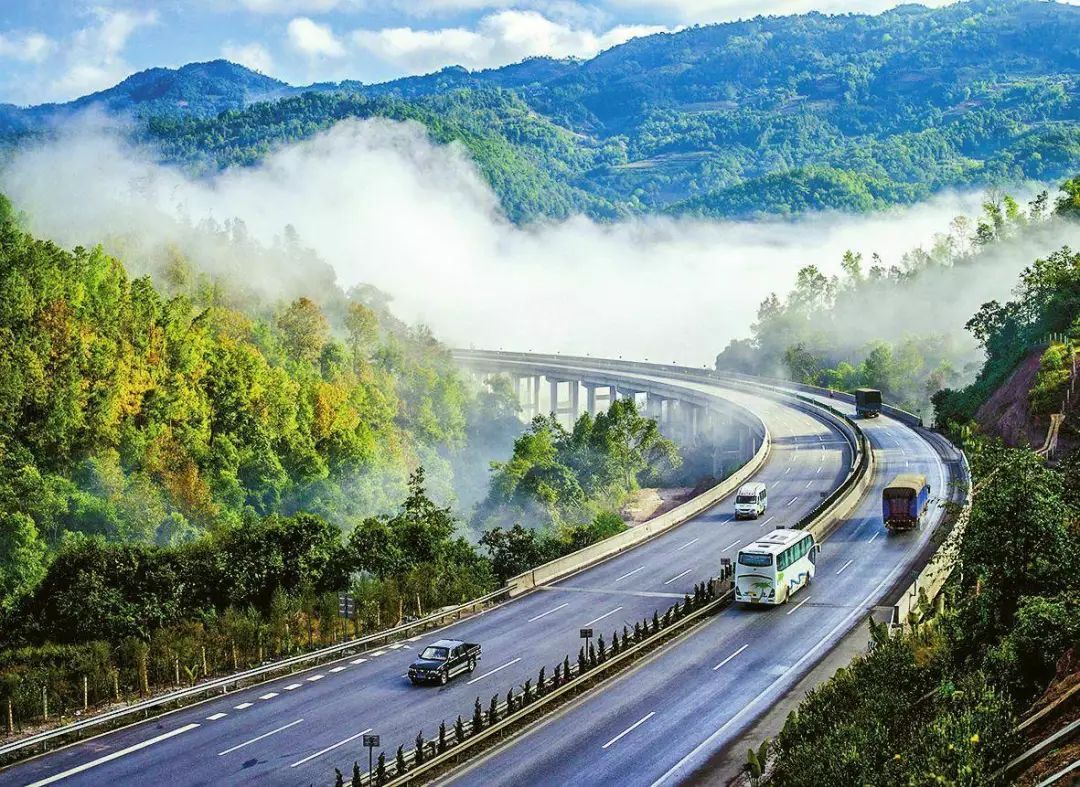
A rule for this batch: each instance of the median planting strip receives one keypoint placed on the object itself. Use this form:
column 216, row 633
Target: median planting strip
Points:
column 566, row 680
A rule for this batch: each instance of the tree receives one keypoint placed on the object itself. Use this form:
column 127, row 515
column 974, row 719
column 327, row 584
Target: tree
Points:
column 22, row 556
column 304, row 330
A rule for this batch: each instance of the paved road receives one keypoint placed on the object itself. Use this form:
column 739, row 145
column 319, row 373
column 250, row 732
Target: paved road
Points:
column 297, row 729
column 663, row 720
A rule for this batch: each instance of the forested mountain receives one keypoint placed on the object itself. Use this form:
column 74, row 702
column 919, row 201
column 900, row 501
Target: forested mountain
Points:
column 769, row 115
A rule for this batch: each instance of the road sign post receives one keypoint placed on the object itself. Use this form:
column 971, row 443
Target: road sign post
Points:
column 586, row 634
column 372, row 743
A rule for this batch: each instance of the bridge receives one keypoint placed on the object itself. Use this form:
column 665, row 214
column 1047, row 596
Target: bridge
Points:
column 658, row 722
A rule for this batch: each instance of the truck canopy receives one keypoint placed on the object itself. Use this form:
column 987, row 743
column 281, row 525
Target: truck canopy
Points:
column 905, row 485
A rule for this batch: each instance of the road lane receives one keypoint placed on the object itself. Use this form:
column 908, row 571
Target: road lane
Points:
column 373, row 694
column 702, row 705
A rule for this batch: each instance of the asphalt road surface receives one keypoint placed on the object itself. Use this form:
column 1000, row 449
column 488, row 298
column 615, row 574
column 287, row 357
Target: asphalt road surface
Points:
column 297, row 729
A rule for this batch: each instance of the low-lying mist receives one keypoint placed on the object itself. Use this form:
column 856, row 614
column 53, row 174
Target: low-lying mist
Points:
column 384, row 205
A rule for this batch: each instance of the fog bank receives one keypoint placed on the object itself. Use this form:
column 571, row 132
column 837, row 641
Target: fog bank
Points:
column 383, row 205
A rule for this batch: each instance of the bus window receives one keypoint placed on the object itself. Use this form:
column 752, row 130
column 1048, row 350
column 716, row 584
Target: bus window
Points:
column 750, row 559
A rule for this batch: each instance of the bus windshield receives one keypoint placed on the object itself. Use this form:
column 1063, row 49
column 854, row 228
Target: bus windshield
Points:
column 751, row 559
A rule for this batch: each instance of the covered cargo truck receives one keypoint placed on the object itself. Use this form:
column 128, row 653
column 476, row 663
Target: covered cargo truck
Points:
column 867, row 403
column 904, row 500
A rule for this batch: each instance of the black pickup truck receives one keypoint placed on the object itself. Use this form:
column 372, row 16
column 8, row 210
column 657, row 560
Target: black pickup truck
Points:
column 442, row 660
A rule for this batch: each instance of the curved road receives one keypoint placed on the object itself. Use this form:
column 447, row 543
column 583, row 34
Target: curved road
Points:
column 297, row 729
column 660, row 723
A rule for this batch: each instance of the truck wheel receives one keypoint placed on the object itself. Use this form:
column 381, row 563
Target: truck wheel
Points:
column 472, row 664
column 442, row 678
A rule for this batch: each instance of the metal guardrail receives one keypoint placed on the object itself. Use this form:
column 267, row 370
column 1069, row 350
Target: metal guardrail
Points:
column 264, row 671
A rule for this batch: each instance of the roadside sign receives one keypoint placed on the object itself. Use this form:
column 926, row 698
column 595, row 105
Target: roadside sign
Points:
column 372, row 741
column 586, row 633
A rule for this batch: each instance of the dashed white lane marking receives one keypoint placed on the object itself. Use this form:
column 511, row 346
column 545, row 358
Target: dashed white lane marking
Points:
column 797, row 605
column 216, row 716
column 767, row 521
column 377, row 653
column 874, row 536
column 259, row 738
column 680, row 576
column 330, row 748
column 628, row 573
column 337, row 669
column 845, row 566
column 788, row 470
column 115, row 755
column 492, row 672
column 597, row 620
column 414, row 639
column 545, row 614
column 314, row 678
column 808, row 484
column 688, row 543
column 729, row 546
column 395, row 646
column 293, row 686
column 358, row 661
column 243, row 705
column 792, row 500
column 630, row 729
column 729, row 658
column 268, row 696
column 818, row 470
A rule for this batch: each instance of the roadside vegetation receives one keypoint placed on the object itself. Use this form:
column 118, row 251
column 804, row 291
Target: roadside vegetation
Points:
column 820, row 334
column 938, row 703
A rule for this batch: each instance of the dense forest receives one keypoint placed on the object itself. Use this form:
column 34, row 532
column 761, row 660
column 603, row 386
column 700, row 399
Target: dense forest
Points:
column 820, row 332
column 771, row 115
column 192, row 471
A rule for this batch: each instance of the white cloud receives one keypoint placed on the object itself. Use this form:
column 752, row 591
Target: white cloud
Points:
column 93, row 58
column 499, row 38
column 313, row 39
column 252, row 55
column 29, row 47
column 290, row 6
column 384, row 205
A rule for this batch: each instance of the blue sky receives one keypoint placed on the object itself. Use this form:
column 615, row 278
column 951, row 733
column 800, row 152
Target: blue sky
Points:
column 55, row 50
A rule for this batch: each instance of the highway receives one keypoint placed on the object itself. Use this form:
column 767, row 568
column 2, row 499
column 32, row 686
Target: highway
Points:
column 660, row 722
column 295, row 730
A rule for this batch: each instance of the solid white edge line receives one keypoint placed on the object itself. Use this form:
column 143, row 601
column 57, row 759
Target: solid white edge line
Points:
column 114, row 756
column 330, row 748
column 545, row 614
column 259, row 738
column 630, row 729
column 492, row 672
column 597, row 620
column 680, row 576
column 729, row 658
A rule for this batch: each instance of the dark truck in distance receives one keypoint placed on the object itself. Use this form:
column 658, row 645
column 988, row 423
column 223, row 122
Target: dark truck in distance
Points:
column 867, row 403
column 442, row 660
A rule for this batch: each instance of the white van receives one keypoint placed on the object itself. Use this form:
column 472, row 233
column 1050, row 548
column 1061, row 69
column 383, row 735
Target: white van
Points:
column 751, row 501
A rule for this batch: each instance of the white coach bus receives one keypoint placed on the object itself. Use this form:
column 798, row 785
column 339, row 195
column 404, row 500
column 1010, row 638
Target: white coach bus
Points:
column 775, row 566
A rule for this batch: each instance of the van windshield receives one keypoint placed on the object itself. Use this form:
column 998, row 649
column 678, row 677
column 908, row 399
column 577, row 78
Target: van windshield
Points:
column 751, row 559
column 746, row 499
